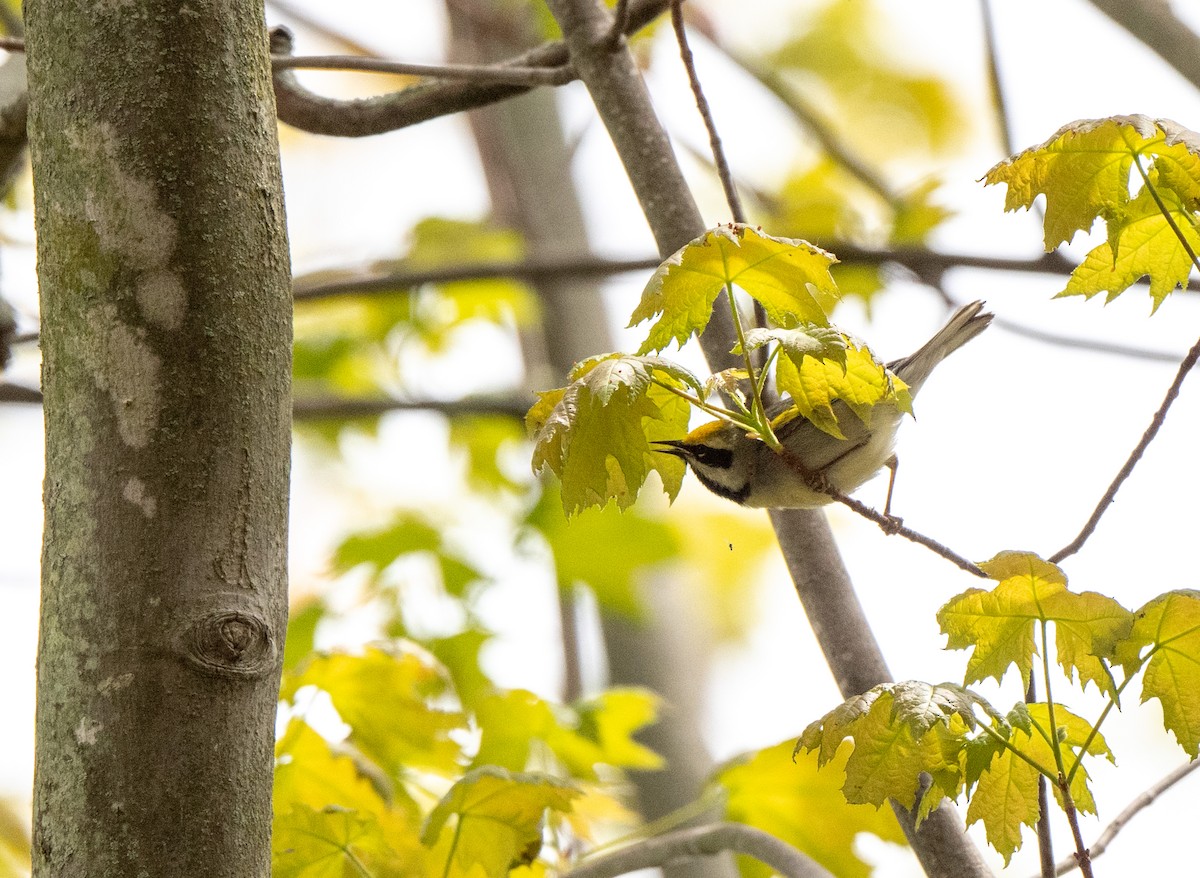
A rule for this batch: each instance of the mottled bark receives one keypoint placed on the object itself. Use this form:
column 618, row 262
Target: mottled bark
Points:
column 166, row 337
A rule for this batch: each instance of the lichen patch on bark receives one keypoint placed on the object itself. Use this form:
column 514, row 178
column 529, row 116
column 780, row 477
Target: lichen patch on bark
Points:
column 136, row 493
column 124, row 365
column 123, row 210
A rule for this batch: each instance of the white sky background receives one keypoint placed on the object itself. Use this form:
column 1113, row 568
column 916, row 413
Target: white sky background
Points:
column 1015, row 443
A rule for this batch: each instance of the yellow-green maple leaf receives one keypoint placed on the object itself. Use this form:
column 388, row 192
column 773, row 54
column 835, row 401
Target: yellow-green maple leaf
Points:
column 901, row 730
column 789, row 277
column 387, row 696
column 796, row 802
column 1006, row 797
column 592, row 732
column 998, row 624
column 335, row 842
column 859, row 382
column 499, row 816
column 1084, row 170
column 595, row 434
column 1166, row 637
column 308, row 772
column 1141, row 243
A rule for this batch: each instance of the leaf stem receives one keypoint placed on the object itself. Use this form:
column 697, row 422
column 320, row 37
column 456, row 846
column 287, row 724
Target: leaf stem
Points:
column 758, row 410
column 1082, row 857
column 715, row 410
column 1112, row 702
column 1162, row 208
column 1024, row 757
column 458, row 825
column 1053, row 741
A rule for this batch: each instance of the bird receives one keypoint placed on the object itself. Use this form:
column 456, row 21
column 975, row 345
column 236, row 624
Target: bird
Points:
column 744, row 469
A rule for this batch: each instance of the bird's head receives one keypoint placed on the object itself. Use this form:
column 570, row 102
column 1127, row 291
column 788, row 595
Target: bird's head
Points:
column 721, row 456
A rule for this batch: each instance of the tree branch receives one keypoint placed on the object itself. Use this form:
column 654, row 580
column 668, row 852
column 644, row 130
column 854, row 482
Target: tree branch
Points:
column 821, row 580
column 480, row 73
column 10, row 392
column 1189, row 363
column 1161, row 30
column 333, row 408
column 1142, row 801
column 703, row 841
column 920, row 262
column 301, row 108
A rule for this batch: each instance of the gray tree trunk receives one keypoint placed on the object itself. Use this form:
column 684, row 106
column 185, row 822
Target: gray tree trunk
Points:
column 166, row 331
column 527, row 163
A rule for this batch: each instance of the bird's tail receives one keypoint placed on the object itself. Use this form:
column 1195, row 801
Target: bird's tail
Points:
column 968, row 322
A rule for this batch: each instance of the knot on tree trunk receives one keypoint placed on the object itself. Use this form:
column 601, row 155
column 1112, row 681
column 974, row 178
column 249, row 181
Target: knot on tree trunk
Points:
column 230, row 643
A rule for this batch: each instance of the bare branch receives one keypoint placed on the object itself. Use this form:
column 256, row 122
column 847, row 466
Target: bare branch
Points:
column 920, row 262
column 19, row 393
column 333, row 408
column 481, row 73
column 1142, row 801
column 889, row 524
column 301, row 108
column 714, row 138
column 703, row 841
column 1189, row 362
column 1155, row 24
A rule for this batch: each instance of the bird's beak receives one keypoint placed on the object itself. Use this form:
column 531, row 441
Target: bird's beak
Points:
column 669, row 446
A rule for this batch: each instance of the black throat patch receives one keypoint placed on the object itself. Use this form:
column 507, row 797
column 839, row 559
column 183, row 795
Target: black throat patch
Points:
column 737, row 496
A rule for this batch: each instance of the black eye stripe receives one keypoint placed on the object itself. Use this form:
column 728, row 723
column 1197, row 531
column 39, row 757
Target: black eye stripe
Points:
column 718, row 458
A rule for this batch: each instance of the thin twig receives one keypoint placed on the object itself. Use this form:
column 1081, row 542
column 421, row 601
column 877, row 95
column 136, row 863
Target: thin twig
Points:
column 1186, row 366
column 537, row 268
column 703, row 841
column 1045, row 842
column 331, row 408
column 1189, row 362
column 714, row 138
column 481, row 73
column 19, row 393
column 889, row 524
column 620, row 23
column 999, row 99
column 1082, row 856
column 1140, row 802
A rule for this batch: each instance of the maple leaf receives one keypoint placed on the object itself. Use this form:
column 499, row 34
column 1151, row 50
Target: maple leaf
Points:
column 499, row 821
column 802, row 805
column 333, row 842
column 859, row 382
column 1084, row 172
column 1006, row 796
column 596, row 731
column 1166, row 638
column 901, row 730
column 1141, row 242
column 308, row 772
column 998, row 624
column 596, row 433
column 386, row 697
column 789, row 277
